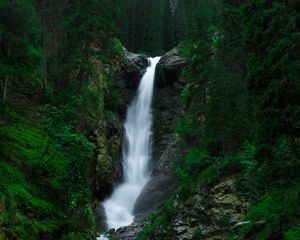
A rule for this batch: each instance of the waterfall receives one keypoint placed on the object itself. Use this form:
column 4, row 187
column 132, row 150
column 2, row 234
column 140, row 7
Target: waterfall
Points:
column 136, row 153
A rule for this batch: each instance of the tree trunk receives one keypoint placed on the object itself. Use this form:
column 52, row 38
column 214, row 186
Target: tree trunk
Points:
column 6, row 80
column 5, row 88
column 45, row 73
column 44, row 44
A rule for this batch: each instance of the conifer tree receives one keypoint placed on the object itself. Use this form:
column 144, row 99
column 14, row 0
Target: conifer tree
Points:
column 19, row 52
column 180, row 21
column 168, row 27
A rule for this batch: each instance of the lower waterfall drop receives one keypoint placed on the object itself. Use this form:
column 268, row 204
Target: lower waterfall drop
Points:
column 136, row 153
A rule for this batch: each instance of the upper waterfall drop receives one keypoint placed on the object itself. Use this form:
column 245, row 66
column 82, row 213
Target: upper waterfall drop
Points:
column 136, row 153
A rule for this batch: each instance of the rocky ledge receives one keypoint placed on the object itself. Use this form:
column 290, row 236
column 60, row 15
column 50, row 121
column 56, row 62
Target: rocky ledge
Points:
column 170, row 67
column 127, row 233
column 133, row 69
column 213, row 213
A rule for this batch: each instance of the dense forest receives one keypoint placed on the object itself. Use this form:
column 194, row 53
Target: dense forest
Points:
column 61, row 110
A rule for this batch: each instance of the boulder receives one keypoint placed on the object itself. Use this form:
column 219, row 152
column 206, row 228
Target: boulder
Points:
column 127, row 233
column 134, row 68
column 170, row 67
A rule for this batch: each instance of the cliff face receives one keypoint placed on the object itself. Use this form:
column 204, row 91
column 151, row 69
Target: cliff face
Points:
column 124, row 71
column 106, row 132
column 168, row 86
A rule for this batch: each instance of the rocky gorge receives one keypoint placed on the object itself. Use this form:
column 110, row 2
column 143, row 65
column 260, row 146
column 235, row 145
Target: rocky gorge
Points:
column 127, row 70
column 213, row 212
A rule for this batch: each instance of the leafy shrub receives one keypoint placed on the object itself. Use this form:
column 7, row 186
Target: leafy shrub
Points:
column 276, row 208
column 117, row 46
column 144, row 234
column 197, row 234
column 293, row 233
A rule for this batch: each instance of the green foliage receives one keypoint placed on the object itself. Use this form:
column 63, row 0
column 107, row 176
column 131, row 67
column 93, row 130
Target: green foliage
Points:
column 151, row 26
column 43, row 179
column 293, row 233
column 25, row 207
column 240, row 110
column 45, row 149
column 163, row 219
column 272, row 68
column 144, row 234
column 19, row 51
column 232, row 237
column 277, row 207
column 61, row 122
column 31, row 167
column 168, row 27
column 117, row 46
column 197, row 234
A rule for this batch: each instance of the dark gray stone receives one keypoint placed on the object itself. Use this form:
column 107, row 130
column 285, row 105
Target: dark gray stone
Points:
column 101, row 224
column 134, row 68
column 127, row 233
column 170, row 67
column 162, row 183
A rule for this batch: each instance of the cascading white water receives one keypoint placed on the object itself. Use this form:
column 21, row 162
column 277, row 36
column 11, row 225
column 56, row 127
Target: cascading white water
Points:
column 136, row 153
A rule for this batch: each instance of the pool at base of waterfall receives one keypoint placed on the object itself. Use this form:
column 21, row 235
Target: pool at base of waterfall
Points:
column 102, row 237
column 119, row 207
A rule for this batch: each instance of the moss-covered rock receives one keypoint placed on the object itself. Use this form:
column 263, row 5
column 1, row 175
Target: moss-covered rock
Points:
column 211, row 212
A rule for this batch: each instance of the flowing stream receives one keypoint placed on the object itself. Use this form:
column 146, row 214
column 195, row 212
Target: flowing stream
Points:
column 136, row 153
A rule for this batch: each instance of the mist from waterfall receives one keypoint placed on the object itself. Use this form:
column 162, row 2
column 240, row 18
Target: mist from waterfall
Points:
column 136, row 153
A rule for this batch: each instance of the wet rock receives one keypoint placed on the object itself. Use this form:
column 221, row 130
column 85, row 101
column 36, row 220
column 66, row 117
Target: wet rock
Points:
column 228, row 199
column 101, row 224
column 127, row 233
column 166, row 110
column 180, row 229
column 168, row 87
column 254, row 228
column 162, row 182
column 138, row 61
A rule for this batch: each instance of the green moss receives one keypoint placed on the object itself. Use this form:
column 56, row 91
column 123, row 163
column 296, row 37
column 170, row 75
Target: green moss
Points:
column 117, row 46
column 293, row 233
column 277, row 207
column 35, row 182
column 144, row 234
column 197, row 234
